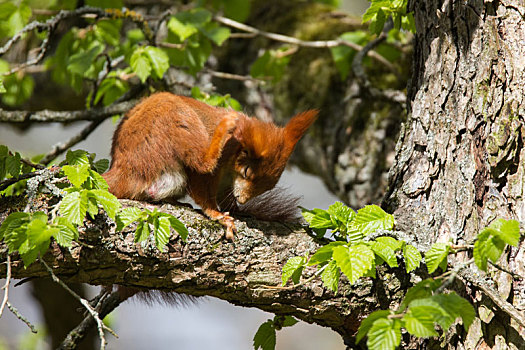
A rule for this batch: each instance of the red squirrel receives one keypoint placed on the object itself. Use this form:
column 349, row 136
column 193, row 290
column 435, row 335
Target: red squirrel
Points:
column 169, row 145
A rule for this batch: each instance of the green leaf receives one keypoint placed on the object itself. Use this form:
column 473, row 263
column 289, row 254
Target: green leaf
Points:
column 140, row 64
column 13, row 18
column 67, row 232
column 456, row 306
column 384, row 252
column 76, row 174
column 507, row 230
column 77, row 157
column 291, row 267
column 238, row 10
column 378, row 22
column 372, row 218
column 419, row 321
column 271, row 64
column 393, row 243
column 161, row 232
column 435, row 256
column 108, row 30
column 108, row 201
column 13, row 164
column 265, row 337
column 12, row 222
column 97, row 181
column 318, row 218
column 142, row 232
column 215, row 33
column 340, row 215
column 80, row 63
column 159, row 60
column 92, row 206
column 367, row 323
column 421, row 290
column 289, row 321
column 354, row 261
column 412, row 257
column 324, row 253
column 126, row 216
column 385, row 334
column 330, row 276
column 38, row 239
column 181, row 30
column 74, row 206
column 101, row 165
column 179, row 227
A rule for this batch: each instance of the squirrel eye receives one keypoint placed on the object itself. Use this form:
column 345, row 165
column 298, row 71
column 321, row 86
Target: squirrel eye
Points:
column 245, row 171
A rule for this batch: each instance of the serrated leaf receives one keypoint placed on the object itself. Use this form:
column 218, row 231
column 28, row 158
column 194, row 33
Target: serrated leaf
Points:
column 372, row 218
column 324, row 253
column 354, row 261
column 419, row 321
column 97, row 181
column 12, row 222
column 435, row 256
column 126, row 216
column 507, row 230
column 92, row 207
column 108, row 201
column 74, row 206
column 13, row 164
column 140, row 64
column 421, row 290
column 76, row 174
column 318, row 218
column 67, row 232
column 385, row 334
column 393, row 243
column 330, row 276
column 101, row 165
column 159, row 60
column 385, row 252
column 456, row 306
column 367, row 323
column 161, row 232
column 215, row 33
column 289, row 321
column 265, row 337
column 77, row 157
column 293, row 265
column 412, row 257
column 179, row 227
column 142, row 232
column 340, row 215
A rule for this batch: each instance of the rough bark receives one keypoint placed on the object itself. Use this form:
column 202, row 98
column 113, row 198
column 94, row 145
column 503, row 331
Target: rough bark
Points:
column 209, row 265
column 459, row 162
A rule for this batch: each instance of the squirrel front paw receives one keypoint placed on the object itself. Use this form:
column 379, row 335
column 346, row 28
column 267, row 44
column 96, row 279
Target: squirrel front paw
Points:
column 227, row 221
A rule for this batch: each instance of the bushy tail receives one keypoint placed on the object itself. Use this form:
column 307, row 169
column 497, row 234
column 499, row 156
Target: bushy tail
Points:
column 274, row 205
column 152, row 297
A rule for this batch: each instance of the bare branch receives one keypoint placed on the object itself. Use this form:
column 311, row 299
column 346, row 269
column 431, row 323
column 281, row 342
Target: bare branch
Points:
column 47, row 116
column 18, row 315
column 100, row 325
column 303, row 43
column 6, row 285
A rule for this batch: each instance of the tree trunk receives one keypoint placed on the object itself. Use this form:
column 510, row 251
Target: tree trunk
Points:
column 460, row 160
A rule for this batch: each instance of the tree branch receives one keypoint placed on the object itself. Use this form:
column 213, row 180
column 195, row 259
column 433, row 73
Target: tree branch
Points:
column 207, row 265
column 47, row 116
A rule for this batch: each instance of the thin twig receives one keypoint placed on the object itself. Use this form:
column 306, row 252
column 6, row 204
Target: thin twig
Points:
column 224, row 75
column 12, row 180
column 20, row 317
column 6, row 285
column 501, row 268
column 450, row 275
column 303, row 43
column 100, row 324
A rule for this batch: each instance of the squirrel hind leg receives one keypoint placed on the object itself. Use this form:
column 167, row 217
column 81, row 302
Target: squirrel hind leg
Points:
column 170, row 184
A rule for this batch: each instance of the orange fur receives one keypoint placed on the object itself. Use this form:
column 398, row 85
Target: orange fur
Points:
column 170, row 145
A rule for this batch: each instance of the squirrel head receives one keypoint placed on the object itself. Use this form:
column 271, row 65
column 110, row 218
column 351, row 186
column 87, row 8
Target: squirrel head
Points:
column 264, row 151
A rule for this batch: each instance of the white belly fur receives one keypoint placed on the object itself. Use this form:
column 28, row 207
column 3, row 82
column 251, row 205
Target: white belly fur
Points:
column 169, row 184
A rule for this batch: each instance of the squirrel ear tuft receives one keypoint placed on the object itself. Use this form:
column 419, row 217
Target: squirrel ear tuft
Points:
column 298, row 125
